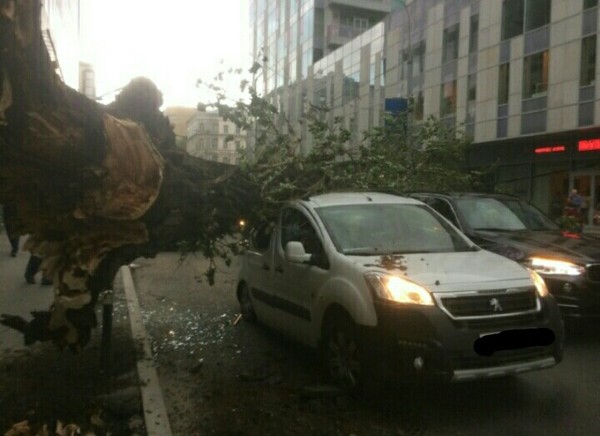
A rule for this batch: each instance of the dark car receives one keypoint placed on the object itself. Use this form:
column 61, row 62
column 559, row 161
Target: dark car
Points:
column 505, row 224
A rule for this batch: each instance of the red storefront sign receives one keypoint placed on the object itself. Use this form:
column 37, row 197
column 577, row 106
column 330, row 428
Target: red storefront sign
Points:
column 550, row 149
column 588, row 145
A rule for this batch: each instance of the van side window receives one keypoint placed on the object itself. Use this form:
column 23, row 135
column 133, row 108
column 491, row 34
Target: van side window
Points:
column 260, row 237
column 295, row 226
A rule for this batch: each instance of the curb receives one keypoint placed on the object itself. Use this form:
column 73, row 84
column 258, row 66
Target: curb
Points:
column 155, row 412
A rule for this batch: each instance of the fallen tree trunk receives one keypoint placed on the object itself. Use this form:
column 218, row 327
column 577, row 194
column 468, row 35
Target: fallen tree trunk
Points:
column 95, row 186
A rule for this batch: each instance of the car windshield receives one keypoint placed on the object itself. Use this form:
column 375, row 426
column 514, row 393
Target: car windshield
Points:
column 378, row 229
column 503, row 215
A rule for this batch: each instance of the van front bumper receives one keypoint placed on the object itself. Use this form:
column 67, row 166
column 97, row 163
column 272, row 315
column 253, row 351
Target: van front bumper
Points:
column 423, row 342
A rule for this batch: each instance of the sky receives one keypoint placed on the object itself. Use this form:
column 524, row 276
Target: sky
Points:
column 172, row 42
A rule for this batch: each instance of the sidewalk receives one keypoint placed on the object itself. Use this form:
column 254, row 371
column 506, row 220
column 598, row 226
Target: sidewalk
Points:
column 42, row 384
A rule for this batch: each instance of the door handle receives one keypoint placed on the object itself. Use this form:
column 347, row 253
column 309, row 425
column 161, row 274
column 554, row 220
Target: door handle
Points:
column 265, row 266
column 278, row 269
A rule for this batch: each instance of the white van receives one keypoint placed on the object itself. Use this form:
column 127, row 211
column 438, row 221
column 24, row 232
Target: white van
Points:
column 382, row 283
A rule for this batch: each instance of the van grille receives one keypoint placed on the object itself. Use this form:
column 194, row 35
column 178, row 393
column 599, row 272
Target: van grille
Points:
column 491, row 303
column 500, row 323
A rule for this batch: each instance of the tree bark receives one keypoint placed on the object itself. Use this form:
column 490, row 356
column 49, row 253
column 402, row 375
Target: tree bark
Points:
column 95, row 186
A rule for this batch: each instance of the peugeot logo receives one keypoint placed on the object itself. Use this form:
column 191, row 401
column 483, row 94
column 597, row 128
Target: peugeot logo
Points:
column 495, row 304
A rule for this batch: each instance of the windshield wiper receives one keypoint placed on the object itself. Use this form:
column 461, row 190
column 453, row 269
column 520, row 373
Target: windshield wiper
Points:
column 362, row 251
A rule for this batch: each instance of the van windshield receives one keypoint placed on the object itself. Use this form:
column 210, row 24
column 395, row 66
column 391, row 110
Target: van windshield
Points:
column 375, row 229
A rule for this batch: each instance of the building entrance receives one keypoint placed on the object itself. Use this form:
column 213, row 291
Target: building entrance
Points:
column 588, row 186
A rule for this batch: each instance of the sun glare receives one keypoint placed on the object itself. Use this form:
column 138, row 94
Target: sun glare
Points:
column 173, row 43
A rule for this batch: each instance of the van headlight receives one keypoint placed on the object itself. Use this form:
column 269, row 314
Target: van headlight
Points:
column 397, row 289
column 555, row 267
column 540, row 285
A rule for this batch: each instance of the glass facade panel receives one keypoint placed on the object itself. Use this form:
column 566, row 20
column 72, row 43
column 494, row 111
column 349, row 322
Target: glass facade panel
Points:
column 512, row 18
column 448, row 99
column 503, row 83
column 537, row 13
column 472, row 87
column 535, row 75
column 419, row 106
column 450, row 44
column 588, row 61
column 474, row 34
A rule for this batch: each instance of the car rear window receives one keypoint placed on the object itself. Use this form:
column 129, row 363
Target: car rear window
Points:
column 504, row 215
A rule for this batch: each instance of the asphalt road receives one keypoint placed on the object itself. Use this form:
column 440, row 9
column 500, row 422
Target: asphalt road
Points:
column 222, row 377
column 204, row 357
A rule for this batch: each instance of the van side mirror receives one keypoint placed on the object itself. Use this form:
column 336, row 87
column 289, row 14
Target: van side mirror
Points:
column 294, row 252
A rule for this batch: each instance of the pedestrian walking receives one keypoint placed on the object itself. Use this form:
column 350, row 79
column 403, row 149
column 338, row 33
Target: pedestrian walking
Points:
column 9, row 214
column 576, row 205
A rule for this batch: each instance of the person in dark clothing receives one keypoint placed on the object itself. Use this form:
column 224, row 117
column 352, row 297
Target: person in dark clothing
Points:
column 32, row 268
column 9, row 214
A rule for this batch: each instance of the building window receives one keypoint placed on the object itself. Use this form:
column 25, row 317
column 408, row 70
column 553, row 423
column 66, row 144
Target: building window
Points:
column 350, row 87
column 471, row 98
column 472, row 87
column 306, row 62
column 201, row 128
column 588, row 61
column 587, row 4
column 413, row 64
column 524, row 15
column 321, row 97
column 418, row 106
column 503, row 82
column 535, row 75
column 450, row 44
column 448, row 99
column 537, row 13
column 292, row 69
column 418, row 64
column 88, row 87
column 331, row 94
column 214, row 143
column 225, row 129
column 474, row 34
column 513, row 12
column 360, row 24
column 306, row 26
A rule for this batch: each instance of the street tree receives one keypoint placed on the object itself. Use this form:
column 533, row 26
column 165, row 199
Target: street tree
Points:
column 97, row 186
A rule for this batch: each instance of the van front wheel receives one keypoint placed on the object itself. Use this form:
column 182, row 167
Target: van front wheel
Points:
column 342, row 352
column 246, row 306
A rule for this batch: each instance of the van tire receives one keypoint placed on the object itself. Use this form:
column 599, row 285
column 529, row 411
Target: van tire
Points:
column 342, row 352
column 246, row 307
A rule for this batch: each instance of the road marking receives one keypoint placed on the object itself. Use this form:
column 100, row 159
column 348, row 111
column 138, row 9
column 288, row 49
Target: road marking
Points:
column 155, row 412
